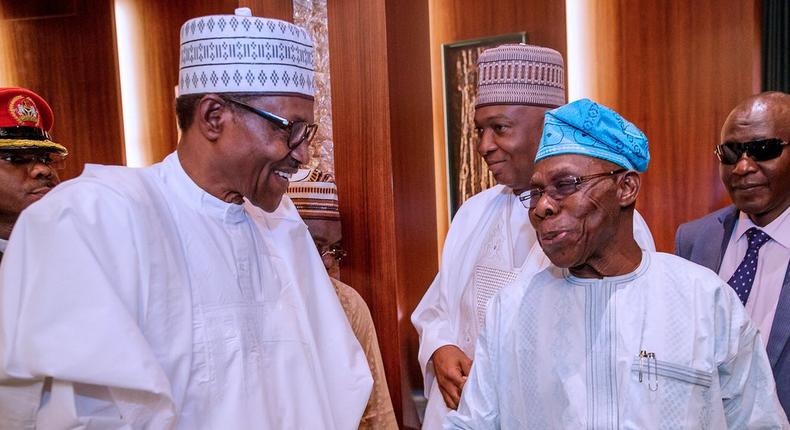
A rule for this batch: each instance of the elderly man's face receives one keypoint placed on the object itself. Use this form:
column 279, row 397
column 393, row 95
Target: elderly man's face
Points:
column 759, row 188
column 22, row 183
column 509, row 137
column 257, row 152
column 327, row 236
column 579, row 227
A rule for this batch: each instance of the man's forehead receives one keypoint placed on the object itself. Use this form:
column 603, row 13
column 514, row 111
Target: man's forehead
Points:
column 750, row 124
column 564, row 165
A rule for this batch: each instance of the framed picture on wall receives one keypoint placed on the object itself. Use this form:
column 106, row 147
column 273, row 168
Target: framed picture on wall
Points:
column 466, row 171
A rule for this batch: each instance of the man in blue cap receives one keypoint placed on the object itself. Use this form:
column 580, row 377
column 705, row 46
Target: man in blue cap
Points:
column 611, row 336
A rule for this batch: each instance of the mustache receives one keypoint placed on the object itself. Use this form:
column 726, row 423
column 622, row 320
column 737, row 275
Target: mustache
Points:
column 291, row 162
column 43, row 183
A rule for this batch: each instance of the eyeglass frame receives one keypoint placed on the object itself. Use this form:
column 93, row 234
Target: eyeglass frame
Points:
column 45, row 158
column 720, row 148
column 526, row 196
column 335, row 251
column 280, row 122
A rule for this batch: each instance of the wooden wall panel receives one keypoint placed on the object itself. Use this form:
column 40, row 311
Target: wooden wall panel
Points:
column 383, row 162
column 454, row 20
column 675, row 69
column 69, row 58
column 415, row 198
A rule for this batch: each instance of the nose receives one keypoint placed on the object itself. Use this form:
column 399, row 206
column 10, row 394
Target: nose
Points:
column 41, row 171
column 545, row 207
column 486, row 144
column 744, row 165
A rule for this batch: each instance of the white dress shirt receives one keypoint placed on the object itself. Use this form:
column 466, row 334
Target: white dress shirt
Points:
column 772, row 264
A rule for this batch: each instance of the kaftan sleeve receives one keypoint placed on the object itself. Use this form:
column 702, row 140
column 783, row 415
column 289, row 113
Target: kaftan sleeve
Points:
column 479, row 406
column 433, row 317
column 745, row 377
column 69, row 311
column 432, row 321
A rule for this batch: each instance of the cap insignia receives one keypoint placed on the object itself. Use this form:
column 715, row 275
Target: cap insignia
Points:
column 23, row 110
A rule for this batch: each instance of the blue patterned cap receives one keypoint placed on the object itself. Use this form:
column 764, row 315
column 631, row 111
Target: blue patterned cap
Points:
column 587, row 128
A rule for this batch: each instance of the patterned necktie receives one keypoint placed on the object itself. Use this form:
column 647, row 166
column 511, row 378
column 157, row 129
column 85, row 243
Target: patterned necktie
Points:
column 743, row 278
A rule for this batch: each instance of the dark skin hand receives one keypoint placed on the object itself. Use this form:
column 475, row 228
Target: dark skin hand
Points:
column 451, row 367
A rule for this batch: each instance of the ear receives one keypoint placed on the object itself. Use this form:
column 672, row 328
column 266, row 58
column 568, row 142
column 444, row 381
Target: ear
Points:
column 211, row 116
column 628, row 188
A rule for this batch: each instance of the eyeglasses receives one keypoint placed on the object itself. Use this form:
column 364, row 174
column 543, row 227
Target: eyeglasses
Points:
column 298, row 131
column 334, row 251
column 561, row 188
column 757, row 150
column 51, row 159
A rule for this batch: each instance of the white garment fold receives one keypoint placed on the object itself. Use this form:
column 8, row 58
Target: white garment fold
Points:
column 152, row 304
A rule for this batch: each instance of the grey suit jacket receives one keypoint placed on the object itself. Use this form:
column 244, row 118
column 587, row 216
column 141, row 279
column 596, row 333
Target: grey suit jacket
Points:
column 704, row 241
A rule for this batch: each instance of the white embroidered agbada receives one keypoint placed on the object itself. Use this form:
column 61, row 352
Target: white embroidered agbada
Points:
column 563, row 352
column 480, row 257
column 153, row 304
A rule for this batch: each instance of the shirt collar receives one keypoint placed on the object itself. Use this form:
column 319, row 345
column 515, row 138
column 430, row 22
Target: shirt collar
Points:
column 778, row 229
column 619, row 279
column 3, row 244
column 196, row 197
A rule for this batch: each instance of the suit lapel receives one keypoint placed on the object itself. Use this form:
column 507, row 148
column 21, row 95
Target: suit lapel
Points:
column 780, row 329
column 720, row 235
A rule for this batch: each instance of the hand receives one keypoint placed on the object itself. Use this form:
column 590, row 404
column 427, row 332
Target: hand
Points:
column 451, row 367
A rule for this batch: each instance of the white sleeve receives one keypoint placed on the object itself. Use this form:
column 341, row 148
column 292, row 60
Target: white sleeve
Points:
column 69, row 310
column 432, row 321
column 479, row 407
column 747, row 384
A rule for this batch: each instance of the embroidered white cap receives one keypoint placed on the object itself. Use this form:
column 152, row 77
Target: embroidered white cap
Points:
column 245, row 54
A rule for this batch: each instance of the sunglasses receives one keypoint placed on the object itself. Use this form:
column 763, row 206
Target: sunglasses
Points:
column 298, row 131
column 51, row 159
column 757, row 150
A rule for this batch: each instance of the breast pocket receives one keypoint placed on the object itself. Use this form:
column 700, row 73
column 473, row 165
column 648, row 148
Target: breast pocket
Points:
column 653, row 370
column 665, row 394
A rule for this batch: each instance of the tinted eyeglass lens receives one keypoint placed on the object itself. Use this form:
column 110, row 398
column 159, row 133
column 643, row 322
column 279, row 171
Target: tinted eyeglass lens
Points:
column 300, row 132
column 532, row 197
column 765, row 150
column 55, row 161
column 761, row 150
column 564, row 188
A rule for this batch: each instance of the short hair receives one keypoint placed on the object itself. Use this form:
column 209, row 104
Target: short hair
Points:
column 186, row 105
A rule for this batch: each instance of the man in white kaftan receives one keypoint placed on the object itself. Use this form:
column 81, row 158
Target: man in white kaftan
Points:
column 136, row 298
column 491, row 242
column 626, row 338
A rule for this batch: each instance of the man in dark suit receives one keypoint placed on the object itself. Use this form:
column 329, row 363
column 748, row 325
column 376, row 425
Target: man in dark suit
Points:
column 28, row 156
column 748, row 243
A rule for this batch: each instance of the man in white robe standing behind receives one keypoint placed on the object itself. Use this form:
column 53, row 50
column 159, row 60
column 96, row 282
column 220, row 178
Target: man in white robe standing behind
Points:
column 188, row 294
column 611, row 336
column 491, row 242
